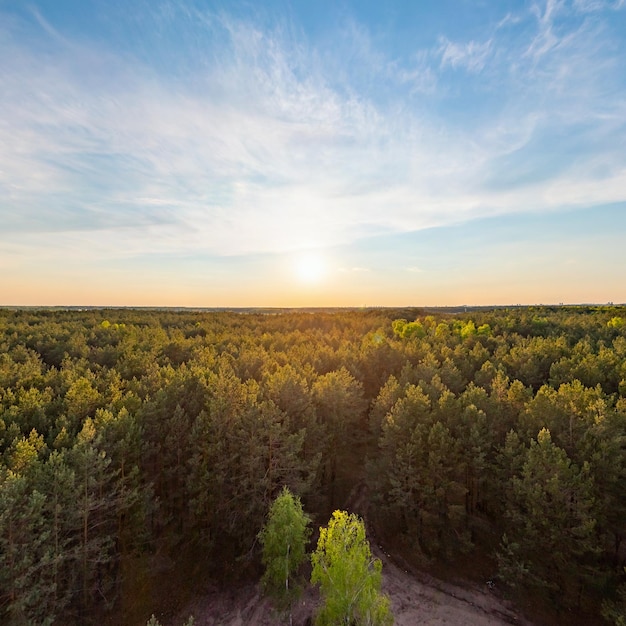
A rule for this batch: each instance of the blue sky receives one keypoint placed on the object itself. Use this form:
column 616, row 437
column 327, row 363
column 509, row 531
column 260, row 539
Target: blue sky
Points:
column 403, row 153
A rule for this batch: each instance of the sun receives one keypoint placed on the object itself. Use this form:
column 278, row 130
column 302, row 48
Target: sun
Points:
column 310, row 268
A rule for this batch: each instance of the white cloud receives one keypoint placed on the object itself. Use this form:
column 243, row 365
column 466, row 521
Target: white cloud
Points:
column 546, row 39
column 419, row 75
column 101, row 156
column 592, row 6
column 472, row 55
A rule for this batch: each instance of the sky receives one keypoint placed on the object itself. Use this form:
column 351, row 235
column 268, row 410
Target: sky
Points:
column 294, row 153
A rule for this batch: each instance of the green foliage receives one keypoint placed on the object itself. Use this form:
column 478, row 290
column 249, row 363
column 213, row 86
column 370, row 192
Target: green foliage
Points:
column 340, row 407
column 348, row 576
column 511, row 567
column 614, row 611
column 408, row 330
column 467, row 330
column 128, row 434
column 398, row 327
column 284, row 538
column 242, row 449
column 552, row 512
column 24, row 556
column 420, row 472
column 413, row 329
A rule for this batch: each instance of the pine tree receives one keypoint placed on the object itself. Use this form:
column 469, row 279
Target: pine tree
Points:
column 340, row 406
column 26, row 589
column 243, row 451
column 552, row 524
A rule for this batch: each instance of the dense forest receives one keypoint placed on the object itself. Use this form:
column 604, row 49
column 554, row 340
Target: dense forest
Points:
column 146, row 445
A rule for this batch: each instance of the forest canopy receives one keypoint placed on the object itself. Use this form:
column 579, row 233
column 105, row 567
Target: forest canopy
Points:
column 128, row 436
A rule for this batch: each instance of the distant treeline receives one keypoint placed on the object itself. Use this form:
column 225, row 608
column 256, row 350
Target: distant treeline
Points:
column 139, row 442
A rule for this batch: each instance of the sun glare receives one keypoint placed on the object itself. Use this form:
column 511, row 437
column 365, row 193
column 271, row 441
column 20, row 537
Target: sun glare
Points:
column 310, row 268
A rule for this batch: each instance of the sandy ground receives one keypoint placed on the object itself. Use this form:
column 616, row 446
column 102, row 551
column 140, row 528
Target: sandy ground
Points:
column 436, row 603
column 413, row 602
column 415, row 598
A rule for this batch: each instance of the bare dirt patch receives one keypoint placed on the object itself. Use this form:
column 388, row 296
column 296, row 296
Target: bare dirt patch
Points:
column 413, row 602
column 415, row 598
column 434, row 602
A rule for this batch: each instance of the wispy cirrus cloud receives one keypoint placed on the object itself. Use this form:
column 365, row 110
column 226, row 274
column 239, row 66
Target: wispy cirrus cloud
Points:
column 546, row 39
column 471, row 55
column 267, row 143
column 591, row 6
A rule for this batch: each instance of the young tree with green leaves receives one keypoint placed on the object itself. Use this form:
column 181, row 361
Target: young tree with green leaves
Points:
column 284, row 538
column 348, row 577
